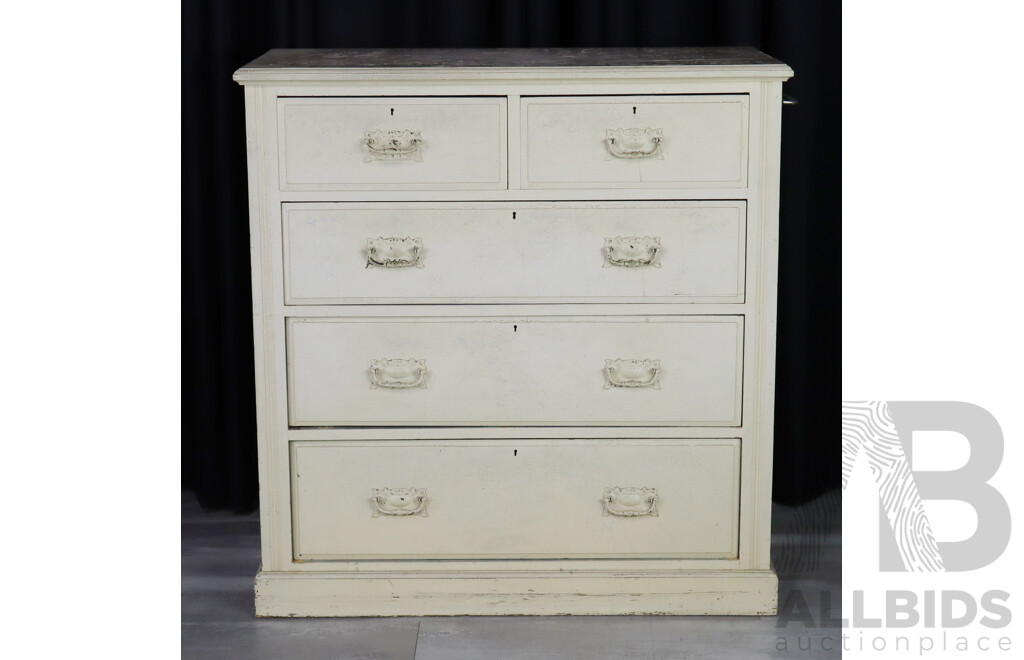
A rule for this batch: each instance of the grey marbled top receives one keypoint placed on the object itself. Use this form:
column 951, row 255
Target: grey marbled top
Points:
column 302, row 58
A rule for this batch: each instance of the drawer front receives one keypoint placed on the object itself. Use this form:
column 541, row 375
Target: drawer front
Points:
column 381, row 143
column 635, row 142
column 508, row 253
column 506, row 499
column 505, row 370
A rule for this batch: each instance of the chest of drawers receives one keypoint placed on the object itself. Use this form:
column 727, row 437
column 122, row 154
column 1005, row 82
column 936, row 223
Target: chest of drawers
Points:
column 514, row 318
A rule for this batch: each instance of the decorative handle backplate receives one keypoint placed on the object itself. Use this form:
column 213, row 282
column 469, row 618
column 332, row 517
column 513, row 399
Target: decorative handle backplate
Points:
column 392, row 145
column 632, row 251
column 394, row 252
column 399, row 502
column 632, row 373
column 398, row 374
column 630, row 502
column 633, row 143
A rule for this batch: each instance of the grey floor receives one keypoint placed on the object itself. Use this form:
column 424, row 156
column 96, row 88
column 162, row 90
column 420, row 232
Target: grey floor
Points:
column 220, row 555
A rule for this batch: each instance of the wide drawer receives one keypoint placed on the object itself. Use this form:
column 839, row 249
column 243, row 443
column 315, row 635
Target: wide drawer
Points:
column 509, row 499
column 506, row 370
column 695, row 141
column 387, row 143
column 509, row 253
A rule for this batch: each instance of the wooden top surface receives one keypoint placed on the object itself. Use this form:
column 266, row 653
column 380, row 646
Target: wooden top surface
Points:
column 328, row 58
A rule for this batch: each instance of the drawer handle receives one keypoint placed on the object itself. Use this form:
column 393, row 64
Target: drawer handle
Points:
column 394, row 252
column 633, row 143
column 399, row 502
column 632, row 251
column 398, row 374
column 632, row 373
column 392, row 145
column 629, row 502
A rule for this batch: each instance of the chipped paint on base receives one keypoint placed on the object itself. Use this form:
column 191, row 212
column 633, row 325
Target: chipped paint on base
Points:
column 452, row 594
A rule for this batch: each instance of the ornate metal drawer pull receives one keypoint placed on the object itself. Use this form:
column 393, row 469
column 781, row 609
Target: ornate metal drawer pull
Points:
column 398, row 374
column 394, row 252
column 632, row 373
column 392, row 145
column 631, row 143
column 630, row 502
column 399, row 502
column 632, row 251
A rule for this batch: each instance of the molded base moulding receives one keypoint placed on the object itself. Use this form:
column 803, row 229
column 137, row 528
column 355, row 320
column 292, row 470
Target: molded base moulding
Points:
column 539, row 593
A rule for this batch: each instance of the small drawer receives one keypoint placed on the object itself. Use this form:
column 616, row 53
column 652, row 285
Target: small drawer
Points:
column 469, row 499
column 697, row 141
column 389, row 143
column 480, row 252
column 509, row 371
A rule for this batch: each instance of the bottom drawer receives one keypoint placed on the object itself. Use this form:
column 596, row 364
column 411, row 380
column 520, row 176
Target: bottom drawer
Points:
column 466, row 499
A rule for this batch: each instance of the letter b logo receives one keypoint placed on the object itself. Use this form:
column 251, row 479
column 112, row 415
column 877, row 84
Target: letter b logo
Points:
column 883, row 431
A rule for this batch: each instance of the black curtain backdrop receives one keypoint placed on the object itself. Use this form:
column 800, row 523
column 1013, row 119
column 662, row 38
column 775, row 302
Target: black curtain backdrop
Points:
column 218, row 401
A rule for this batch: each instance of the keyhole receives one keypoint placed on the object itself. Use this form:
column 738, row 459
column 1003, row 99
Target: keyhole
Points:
column 513, row 215
column 515, row 452
column 634, row 110
column 393, row 111
column 515, row 328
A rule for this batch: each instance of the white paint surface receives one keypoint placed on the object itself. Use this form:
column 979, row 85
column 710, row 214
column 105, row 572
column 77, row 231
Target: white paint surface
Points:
column 515, row 319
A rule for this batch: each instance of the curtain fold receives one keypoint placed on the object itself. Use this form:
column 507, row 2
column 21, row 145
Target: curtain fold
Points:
column 218, row 401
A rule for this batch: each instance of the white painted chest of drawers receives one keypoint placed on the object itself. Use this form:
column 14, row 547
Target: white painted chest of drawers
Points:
column 514, row 317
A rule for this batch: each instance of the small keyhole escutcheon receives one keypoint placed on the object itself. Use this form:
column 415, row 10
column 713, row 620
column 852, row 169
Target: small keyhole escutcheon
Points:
column 393, row 111
column 515, row 328
column 513, row 215
column 634, row 110
column 515, row 452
